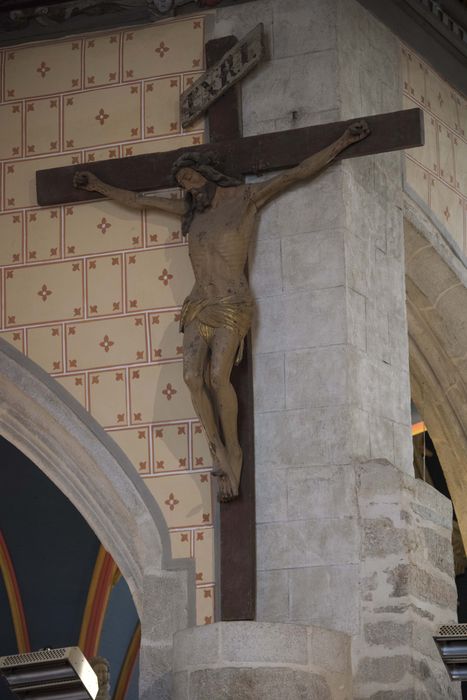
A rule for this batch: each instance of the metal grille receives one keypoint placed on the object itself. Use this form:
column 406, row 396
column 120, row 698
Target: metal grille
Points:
column 35, row 656
column 453, row 631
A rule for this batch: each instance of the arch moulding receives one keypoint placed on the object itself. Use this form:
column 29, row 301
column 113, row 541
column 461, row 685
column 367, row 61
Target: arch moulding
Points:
column 50, row 427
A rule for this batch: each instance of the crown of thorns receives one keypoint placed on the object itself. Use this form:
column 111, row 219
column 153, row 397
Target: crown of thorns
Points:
column 206, row 164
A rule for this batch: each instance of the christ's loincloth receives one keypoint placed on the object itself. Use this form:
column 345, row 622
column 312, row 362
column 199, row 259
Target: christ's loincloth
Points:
column 221, row 312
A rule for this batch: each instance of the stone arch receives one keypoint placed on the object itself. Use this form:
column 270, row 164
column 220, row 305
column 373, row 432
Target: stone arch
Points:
column 436, row 279
column 48, row 425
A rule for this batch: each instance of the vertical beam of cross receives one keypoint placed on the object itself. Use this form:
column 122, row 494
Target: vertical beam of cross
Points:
column 237, row 518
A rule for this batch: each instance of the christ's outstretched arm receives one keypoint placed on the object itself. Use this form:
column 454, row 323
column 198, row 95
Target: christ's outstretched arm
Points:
column 263, row 192
column 87, row 181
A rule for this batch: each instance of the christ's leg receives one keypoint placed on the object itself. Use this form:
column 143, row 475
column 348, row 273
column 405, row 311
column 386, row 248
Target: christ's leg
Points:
column 224, row 347
column 195, row 369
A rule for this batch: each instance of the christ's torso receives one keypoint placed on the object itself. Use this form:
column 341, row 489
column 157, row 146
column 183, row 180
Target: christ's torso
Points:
column 218, row 243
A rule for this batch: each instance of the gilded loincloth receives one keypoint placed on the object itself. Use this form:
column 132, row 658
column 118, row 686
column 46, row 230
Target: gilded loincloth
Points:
column 221, row 312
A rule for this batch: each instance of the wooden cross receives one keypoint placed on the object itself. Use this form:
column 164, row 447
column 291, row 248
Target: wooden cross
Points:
column 240, row 156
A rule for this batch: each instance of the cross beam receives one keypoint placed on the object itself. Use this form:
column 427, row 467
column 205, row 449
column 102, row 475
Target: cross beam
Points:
column 244, row 156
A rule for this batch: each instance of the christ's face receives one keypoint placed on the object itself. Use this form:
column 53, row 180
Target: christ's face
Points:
column 190, row 179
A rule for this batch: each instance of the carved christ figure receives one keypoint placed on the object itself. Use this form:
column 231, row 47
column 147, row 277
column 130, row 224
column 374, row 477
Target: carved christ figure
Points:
column 219, row 215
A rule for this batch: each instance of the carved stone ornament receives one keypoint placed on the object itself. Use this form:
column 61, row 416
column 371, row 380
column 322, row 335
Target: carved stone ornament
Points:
column 26, row 20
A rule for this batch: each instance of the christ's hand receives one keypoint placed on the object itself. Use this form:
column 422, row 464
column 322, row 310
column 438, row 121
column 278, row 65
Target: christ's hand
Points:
column 357, row 131
column 85, row 180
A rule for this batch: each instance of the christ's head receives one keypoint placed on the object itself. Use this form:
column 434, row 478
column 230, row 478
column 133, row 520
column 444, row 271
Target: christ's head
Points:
column 197, row 173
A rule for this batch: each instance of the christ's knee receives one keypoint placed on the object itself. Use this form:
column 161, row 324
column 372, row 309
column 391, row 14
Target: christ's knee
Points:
column 193, row 379
column 219, row 381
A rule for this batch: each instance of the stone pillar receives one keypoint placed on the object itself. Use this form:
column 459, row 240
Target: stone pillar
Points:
column 347, row 538
column 246, row 660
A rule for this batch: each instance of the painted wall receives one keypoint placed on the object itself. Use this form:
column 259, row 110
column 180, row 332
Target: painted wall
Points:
column 437, row 173
column 92, row 292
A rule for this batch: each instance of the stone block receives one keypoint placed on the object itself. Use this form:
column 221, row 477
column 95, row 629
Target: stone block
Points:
column 439, row 550
column 272, row 596
column 327, row 596
column 384, row 669
column 259, row 683
column 316, row 377
column 329, row 650
column 381, row 437
column 317, row 205
column 282, row 86
column 319, row 492
column 271, row 495
column 240, row 20
column 162, row 613
column 269, row 381
column 388, row 633
column 266, row 268
column 334, row 437
column 300, row 319
column 312, row 27
column 296, row 544
column 381, row 538
column 196, row 646
column 356, row 319
column 258, row 643
column 408, row 579
column 155, row 676
column 180, row 686
column 314, row 260
column 403, row 447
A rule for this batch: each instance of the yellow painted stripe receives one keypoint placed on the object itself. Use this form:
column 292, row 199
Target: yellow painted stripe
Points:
column 418, row 428
column 105, row 576
column 128, row 665
column 14, row 598
column 90, row 598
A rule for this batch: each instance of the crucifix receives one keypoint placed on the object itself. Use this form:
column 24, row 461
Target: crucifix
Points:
column 219, row 216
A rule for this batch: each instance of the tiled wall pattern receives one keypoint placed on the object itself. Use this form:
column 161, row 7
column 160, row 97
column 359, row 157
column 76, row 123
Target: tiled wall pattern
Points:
column 92, row 292
column 438, row 171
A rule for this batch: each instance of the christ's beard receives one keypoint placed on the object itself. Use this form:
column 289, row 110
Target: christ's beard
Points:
column 197, row 201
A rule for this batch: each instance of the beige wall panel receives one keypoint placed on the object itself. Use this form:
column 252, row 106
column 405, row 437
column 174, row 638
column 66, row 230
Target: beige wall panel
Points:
column 185, row 499
column 164, row 49
column 181, row 543
column 158, row 278
column 20, row 178
column 447, row 206
column 101, row 227
column 202, row 458
column 15, row 338
column 162, row 228
column 44, row 69
column 42, row 126
column 11, row 249
column 102, row 117
column 34, row 294
column 204, row 555
column 11, row 134
column 162, row 106
column 104, row 299
column 166, row 339
column 108, row 397
column 101, row 60
column 107, row 342
column 171, row 451
column 76, row 385
column 43, row 234
column 45, row 347
column 446, row 155
column 135, row 443
column 205, row 605
column 160, row 145
column 159, row 394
